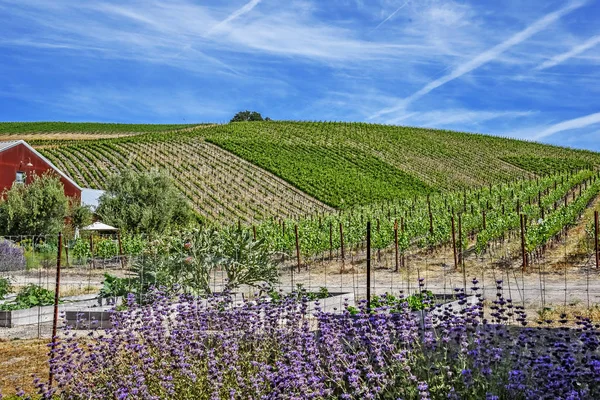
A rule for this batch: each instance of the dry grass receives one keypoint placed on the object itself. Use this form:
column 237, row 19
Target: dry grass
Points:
column 571, row 313
column 19, row 361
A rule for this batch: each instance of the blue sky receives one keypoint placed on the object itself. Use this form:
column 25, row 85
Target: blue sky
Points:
column 525, row 69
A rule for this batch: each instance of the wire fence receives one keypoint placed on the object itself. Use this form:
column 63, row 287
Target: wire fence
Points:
column 561, row 278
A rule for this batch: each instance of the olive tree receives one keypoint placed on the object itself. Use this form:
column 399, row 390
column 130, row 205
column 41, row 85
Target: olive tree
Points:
column 143, row 202
column 38, row 208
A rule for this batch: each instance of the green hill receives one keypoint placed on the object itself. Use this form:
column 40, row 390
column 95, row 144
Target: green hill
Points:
column 258, row 170
column 355, row 163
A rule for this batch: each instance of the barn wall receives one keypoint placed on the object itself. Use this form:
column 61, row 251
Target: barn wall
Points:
column 15, row 159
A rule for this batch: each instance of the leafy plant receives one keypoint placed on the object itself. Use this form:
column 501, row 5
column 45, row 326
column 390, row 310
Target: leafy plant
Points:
column 298, row 294
column 106, row 248
column 416, row 302
column 113, row 286
column 81, row 250
column 30, row 296
column 5, row 287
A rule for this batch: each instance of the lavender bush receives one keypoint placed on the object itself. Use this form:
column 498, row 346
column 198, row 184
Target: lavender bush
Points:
column 12, row 257
column 184, row 347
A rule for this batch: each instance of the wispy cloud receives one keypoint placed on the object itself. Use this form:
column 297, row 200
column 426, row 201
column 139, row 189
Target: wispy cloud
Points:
column 560, row 58
column 484, row 57
column 575, row 123
column 236, row 14
column 391, row 15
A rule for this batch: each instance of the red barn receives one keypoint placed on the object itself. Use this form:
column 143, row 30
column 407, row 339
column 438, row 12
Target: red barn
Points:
column 19, row 162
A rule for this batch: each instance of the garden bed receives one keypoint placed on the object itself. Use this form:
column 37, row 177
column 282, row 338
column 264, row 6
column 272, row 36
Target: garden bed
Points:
column 99, row 316
column 35, row 315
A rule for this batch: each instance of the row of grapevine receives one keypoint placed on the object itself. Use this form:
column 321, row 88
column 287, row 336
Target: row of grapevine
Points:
column 332, row 160
column 220, row 186
column 426, row 221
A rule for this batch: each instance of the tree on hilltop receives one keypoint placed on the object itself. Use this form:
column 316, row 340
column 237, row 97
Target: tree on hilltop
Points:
column 248, row 116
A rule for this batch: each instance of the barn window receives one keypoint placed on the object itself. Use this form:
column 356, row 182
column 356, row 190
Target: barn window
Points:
column 20, row 177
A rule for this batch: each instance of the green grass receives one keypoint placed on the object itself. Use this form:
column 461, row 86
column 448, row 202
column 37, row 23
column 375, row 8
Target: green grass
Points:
column 85, row 127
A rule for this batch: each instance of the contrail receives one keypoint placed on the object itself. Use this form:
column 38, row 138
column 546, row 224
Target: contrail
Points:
column 575, row 123
column 560, row 58
column 237, row 13
column 390, row 16
column 485, row 57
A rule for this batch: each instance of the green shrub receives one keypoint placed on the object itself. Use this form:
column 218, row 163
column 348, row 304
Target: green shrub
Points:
column 30, row 296
column 81, row 250
column 106, row 248
column 5, row 287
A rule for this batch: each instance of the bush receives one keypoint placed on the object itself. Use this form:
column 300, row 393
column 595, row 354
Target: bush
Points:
column 38, row 208
column 12, row 257
column 5, row 287
column 133, row 245
column 30, row 296
column 146, row 203
column 106, row 248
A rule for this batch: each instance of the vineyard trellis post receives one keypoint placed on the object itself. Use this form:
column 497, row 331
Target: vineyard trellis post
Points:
column 454, row 244
column 596, row 239
column 396, row 244
column 297, row 246
column 330, row 240
column 369, row 266
column 343, row 267
column 523, row 252
column 120, row 249
column 92, row 250
column 460, row 243
column 56, row 300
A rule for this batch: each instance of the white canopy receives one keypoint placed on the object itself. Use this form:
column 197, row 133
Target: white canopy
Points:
column 99, row 226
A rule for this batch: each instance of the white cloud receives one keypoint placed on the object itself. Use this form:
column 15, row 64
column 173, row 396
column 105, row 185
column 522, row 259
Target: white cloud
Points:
column 484, row 57
column 560, row 58
column 575, row 123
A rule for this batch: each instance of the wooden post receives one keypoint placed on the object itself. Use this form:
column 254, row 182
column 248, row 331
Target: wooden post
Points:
column 396, row 244
column 403, row 263
column 596, row 239
column 254, row 232
column 524, row 254
column 92, row 250
column 460, row 255
column 297, row 246
column 67, row 255
column 369, row 266
column 342, row 248
column 56, row 300
column 430, row 215
column 330, row 240
column 483, row 215
column 454, row 244
column 120, row 249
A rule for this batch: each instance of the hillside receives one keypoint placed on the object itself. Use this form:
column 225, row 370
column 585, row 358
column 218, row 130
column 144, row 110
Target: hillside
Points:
column 354, row 163
column 32, row 131
column 221, row 186
column 254, row 171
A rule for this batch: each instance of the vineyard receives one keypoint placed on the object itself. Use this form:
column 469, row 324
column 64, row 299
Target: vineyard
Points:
column 359, row 236
column 354, row 161
column 74, row 131
column 221, row 186
column 255, row 171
